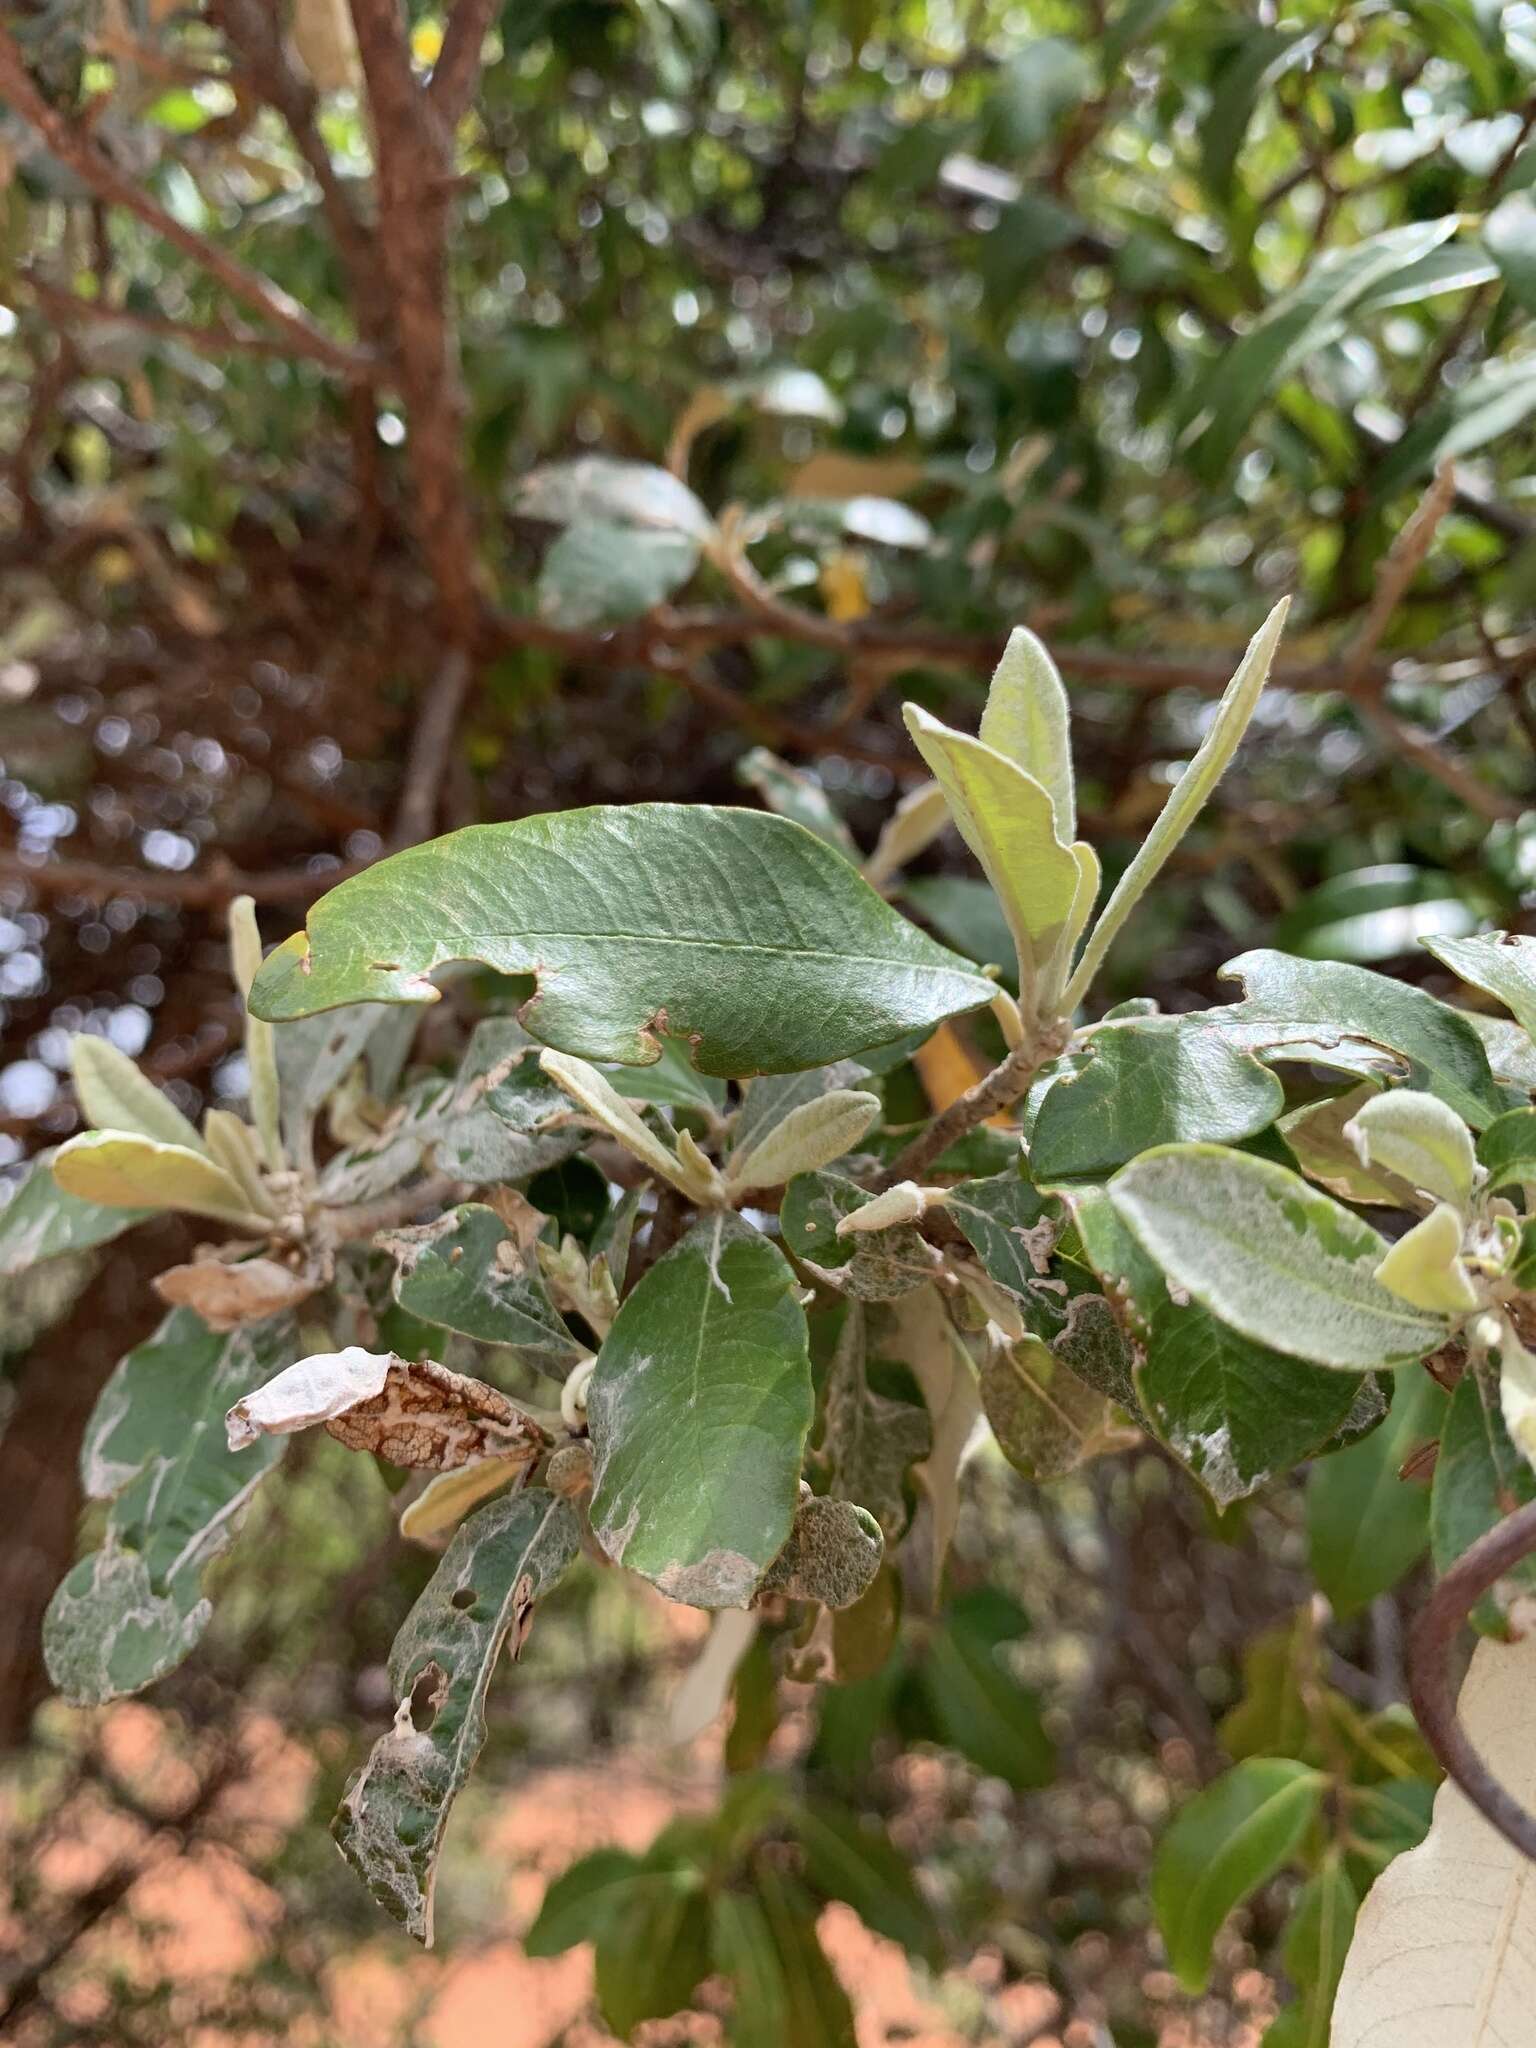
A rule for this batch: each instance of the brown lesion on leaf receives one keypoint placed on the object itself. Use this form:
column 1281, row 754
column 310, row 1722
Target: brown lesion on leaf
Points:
column 430, row 1419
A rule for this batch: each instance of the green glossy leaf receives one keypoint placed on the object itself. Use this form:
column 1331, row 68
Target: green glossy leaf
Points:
column 465, row 1272
column 1375, row 913
column 390, row 1824
column 1366, row 1526
column 977, row 1706
column 1236, row 1412
column 1480, row 1477
column 1271, row 1718
column 819, row 2013
column 155, row 1448
column 870, row 1441
column 1149, row 1082
column 1295, row 324
column 850, row 1858
column 1270, row 1256
column 581, row 1901
column 698, row 1409
column 1227, row 1842
column 1509, row 235
column 673, row 1081
column 1508, row 1149
column 735, row 929
column 1316, row 1942
column 743, row 1949
column 653, row 1949
column 1335, row 1015
column 43, row 1221
column 1258, row 58
column 1501, row 964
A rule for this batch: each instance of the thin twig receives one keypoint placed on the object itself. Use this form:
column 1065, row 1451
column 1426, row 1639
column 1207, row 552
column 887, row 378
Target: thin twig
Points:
column 426, row 766
column 211, row 889
column 1004, row 1085
column 212, row 340
column 363, row 1221
column 80, row 154
column 1489, row 1559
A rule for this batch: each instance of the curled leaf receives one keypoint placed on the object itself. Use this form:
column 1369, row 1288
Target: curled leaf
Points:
column 411, row 1412
column 1425, row 1266
column 448, row 1497
column 832, row 1556
column 225, row 1296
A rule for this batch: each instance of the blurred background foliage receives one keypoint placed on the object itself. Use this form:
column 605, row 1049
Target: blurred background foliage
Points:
column 912, row 321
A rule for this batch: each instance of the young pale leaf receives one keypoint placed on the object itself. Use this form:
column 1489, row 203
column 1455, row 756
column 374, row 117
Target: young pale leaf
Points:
column 1501, row 964
column 1045, row 1419
column 1149, row 1082
column 1235, row 1412
column 390, row 1824
column 448, row 1497
column 812, row 1135
column 468, row 1272
column 1230, row 1839
column 738, row 930
column 1517, row 1388
column 260, row 1048
column 140, row 1173
column 231, row 1143
column 1442, row 1948
column 413, row 1412
column 966, row 914
column 603, row 1103
column 1508, row 1150
column 705, row 1689
column 1480, row 1476
column 773, row 1097
column 1425, row 1269
column 1185, row 802
column 1027, row 719
column 1334, row 1015
column 870, row 1440
column 1269, row 1255
column 833, row 1553
column 1366, row 1526
column 1008, row 821
column 915, row 823
column 698, row 1411
column 44, row 1221
column 1418, row 1138
column 797, row 794
column 1315, row 1135
column 155, row 1449
column 114, row 1096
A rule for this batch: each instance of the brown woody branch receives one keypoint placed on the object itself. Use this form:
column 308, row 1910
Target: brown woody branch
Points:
column 1473, row 1574
column 211, row 889
column 456, row 74
column 80, row 154
column 69, row 309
